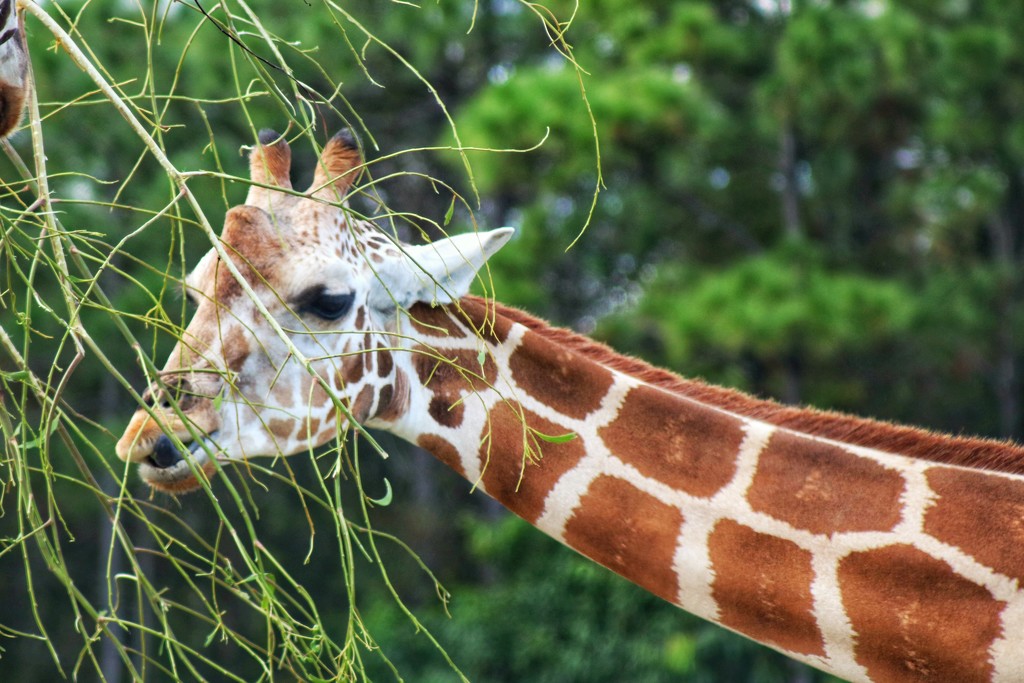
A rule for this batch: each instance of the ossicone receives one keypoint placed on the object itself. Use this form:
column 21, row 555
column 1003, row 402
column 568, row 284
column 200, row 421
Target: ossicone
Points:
column 339, row 166
column 270, row 164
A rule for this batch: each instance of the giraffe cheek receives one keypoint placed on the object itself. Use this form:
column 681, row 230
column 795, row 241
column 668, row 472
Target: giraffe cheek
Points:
column 205, row 418
column 394, row 399
column 363, row 404
column 235, row 349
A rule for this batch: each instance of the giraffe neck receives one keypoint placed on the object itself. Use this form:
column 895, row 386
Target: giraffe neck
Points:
column 870, row 565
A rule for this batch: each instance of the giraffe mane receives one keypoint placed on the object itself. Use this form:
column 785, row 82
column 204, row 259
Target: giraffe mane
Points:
column 978, row 453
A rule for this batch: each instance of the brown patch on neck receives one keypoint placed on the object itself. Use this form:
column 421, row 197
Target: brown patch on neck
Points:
column 481, row 315
column 763, row 587
column 434, row 322
column 692, row 450
column 825, row 489
column 977, row 453
column 916, row 619
column 980, row 514
column 518, row 479
column 555, row 377
column 448, row 374
column 443, row 450
column 630, row 532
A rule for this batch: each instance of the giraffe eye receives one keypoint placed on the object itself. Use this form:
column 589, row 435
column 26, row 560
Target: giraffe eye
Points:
column 329, row 306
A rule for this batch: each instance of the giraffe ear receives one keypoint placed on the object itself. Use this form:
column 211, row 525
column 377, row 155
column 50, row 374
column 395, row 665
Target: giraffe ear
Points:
column 441, row 272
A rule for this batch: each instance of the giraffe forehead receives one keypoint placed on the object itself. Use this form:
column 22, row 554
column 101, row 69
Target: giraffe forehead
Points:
column 281, row 271
column 258, row 234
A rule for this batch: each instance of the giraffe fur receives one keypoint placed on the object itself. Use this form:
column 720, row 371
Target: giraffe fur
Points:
column 872, row 551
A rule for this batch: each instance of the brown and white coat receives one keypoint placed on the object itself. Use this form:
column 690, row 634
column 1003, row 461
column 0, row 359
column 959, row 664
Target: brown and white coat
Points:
column 868, row 550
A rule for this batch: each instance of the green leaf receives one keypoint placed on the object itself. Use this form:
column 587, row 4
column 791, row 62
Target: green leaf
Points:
column 561, row 438
column 35, row 443
column 450, row 212
column 386, row 499
column 15, row 376
column 213, row 634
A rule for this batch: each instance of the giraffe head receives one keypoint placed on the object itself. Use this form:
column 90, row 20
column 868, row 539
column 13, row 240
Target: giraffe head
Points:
column 337, row 289
column 13, row 67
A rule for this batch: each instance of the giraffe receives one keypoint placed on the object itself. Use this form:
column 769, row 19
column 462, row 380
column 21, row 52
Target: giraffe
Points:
column 13, row 67
column 872, row 551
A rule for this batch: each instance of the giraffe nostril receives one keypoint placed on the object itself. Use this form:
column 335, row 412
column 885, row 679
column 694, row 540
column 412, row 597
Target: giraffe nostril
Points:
column 157, row 397
column 173, row 390
column 165, row 454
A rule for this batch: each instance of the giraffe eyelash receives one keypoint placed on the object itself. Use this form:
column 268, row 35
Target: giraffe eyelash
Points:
column 323, row 304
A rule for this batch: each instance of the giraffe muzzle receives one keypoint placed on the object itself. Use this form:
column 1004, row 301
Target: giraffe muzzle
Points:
column 167, row 468
column 165, row 454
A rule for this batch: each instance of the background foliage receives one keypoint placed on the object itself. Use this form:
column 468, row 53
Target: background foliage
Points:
column 817, row 201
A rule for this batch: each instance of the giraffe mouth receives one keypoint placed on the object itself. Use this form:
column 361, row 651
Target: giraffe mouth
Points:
column 167, row 469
